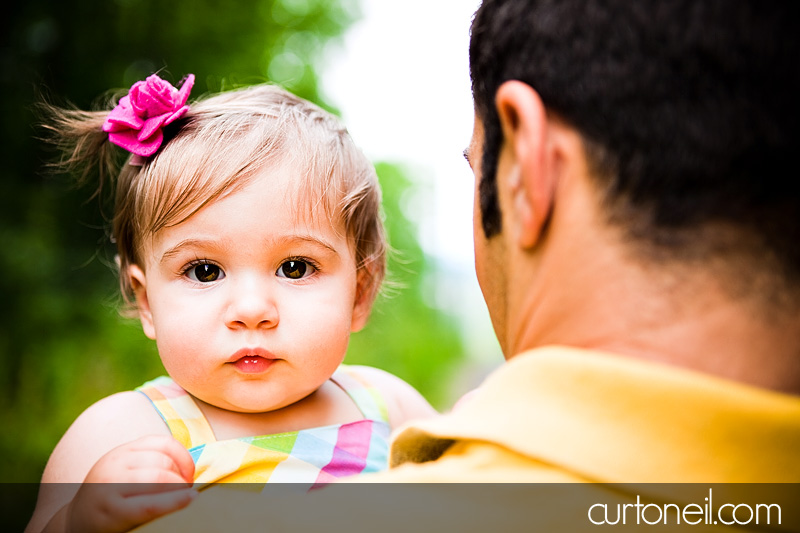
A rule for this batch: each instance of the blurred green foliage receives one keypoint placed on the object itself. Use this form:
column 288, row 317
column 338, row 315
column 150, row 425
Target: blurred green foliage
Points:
column 405, row 335
column 63, row 344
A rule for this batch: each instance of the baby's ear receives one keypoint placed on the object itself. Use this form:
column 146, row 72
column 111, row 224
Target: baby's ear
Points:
column 138, row 283
column 366, row 290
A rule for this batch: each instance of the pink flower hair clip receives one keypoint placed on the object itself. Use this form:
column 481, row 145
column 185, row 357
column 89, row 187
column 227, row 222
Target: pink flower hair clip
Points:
column 137, row 121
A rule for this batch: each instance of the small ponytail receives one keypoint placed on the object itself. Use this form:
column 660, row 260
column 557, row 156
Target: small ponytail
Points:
column 135, row 123
column 82, row 145
column 115, row 148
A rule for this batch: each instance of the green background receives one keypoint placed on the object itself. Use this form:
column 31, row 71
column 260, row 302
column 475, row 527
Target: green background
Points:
column 63, row 344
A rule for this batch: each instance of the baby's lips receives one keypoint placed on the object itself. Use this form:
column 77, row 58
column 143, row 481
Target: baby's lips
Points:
column 251, row 352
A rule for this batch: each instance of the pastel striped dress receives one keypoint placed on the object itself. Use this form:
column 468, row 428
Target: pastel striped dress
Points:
column 310, row 456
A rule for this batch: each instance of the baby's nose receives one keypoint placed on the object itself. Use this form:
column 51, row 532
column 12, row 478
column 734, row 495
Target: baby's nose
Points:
column 252, row 304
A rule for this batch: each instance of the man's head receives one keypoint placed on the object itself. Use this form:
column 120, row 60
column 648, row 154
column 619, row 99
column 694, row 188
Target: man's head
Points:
column 633, row 191
column 686, row 111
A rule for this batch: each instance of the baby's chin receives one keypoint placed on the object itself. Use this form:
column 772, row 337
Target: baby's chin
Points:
column 244, row 406
column 255, row 401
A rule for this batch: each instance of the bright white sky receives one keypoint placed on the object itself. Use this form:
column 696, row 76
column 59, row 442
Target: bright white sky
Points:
column 402, row 83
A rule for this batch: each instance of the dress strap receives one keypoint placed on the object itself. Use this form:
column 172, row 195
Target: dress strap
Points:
column 366, row 397
column 180, row 412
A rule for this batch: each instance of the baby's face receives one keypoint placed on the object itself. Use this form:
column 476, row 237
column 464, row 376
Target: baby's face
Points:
column 251, row 307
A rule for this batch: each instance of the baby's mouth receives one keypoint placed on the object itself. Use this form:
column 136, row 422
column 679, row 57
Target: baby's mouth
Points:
column 252, row 364
column 252, row 360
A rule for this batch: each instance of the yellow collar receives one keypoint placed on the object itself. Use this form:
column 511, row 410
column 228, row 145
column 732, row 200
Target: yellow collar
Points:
column 614, row 419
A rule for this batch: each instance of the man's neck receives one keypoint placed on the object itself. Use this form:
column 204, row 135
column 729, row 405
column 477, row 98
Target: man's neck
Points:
column 586, row 289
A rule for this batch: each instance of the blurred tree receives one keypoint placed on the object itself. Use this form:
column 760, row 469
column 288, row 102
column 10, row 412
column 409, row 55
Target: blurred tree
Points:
column 62, row 342
column 406, row 335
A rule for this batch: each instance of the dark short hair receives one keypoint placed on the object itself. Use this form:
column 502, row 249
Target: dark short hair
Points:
column 688, row 109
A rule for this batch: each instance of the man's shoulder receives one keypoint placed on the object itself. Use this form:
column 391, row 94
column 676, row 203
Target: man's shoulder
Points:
column 467, row 461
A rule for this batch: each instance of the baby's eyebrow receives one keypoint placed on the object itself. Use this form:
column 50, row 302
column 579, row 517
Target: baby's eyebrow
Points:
column 211, row 245
column 310, row 239
column 187, row 243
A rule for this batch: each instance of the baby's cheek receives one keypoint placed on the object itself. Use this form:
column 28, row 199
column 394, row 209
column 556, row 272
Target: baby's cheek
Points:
column 182, row 343
column 331, row 328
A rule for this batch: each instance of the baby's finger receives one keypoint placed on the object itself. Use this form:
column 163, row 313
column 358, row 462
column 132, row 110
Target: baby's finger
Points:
column 151, row 459
column 146, row 507
column 147, row 479
column 182, row 459
column 180, row 456
column 133, row 511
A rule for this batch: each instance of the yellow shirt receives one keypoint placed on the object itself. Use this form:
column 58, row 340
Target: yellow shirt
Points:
column 566, row 414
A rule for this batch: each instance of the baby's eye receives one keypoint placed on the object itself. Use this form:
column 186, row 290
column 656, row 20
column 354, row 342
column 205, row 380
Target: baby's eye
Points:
column 295, row 269
column 205, row 273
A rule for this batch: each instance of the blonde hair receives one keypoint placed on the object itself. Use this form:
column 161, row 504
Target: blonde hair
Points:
column 221, row 143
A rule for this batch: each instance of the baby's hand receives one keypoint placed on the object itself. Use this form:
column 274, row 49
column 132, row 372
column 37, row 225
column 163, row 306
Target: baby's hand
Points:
column 133, row 484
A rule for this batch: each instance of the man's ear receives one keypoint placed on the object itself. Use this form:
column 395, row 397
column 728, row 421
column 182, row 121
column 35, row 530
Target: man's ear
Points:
column 365, row 297
column 138, row 282
column 530, row 176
